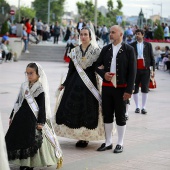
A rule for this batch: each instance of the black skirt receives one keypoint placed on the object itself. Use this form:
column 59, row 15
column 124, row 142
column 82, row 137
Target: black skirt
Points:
column 78, row 107
column 22, row 138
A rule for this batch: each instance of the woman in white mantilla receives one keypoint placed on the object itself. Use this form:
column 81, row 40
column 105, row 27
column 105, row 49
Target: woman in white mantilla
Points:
column 77, row 112
column 31, row 141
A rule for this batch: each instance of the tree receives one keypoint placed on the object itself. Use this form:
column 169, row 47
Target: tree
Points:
column 4, row 11
column 4, row 28
column 159, row 33
column 120, row 5
column 26, row 12
column 112, row 13
column 56, row 12
column 86, row 11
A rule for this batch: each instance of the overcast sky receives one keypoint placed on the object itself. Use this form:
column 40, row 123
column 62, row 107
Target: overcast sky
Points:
column 130, row 7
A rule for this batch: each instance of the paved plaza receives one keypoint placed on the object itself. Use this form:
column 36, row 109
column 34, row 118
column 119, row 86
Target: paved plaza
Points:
column 147, row 138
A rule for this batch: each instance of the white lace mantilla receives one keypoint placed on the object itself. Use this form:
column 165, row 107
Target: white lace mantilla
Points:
column 91, row 56
column 35, row 90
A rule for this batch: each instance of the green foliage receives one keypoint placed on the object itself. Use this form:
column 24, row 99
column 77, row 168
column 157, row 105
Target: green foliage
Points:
column 112, row 13
column 120, row 5
column 4, row 7
column 4, row 28
column 110, row 5
column 56, row 10
column 159, row 33
column 86, row 10
column 25, row 12
column 157, row 21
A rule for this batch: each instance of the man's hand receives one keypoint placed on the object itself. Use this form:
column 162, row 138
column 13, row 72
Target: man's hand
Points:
column 39, row 127
column 126, row 96
column 152, row 74
column 108, row 76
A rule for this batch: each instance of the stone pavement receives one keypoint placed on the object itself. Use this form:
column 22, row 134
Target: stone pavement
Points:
column 147, row 139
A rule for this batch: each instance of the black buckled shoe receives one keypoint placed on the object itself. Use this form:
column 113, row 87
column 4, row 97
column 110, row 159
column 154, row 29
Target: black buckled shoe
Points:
column 118, row 149
column 82, row 143
column 103, row 147
column 143, row 111
column 137, row 110
column 126, row 117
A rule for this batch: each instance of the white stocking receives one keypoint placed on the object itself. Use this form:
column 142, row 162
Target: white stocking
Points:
column 120, row 132
column 136, row 99
column 127, row 110
column 144, row 99
column 108, row 133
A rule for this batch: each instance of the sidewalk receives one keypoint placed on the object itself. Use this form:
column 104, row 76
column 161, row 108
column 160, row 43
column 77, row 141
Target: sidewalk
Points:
column 147, row 139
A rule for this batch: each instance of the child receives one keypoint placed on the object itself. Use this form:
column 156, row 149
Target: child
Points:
column 30, row 139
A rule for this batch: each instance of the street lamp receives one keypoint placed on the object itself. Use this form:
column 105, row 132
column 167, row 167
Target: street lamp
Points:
column 49, row 6
column 146, row 19
column 3, row 10
column 19, row 14
column 95, row 14
column 161, row 8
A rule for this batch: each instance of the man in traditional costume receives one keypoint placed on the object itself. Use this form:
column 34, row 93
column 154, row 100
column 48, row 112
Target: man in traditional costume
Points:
column 145, row 62
column 118, row 73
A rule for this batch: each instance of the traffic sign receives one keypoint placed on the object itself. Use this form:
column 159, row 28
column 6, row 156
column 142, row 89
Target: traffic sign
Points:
column 119, row 19
column 12, row 12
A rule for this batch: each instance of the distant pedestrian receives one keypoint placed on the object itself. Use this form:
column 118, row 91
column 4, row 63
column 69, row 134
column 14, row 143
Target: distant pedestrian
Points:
column 145, row 60
column 57, row 31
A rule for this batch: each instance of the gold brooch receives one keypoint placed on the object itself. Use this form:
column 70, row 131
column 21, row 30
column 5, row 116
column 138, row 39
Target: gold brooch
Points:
column 83, row 58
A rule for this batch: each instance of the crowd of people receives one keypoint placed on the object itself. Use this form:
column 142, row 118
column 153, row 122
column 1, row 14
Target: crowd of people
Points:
column 87, row 108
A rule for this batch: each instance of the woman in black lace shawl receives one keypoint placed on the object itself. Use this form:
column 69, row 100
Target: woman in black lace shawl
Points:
column 77, row 115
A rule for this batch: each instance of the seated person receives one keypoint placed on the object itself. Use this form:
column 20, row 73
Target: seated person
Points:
column 166, row 55
column 157, row 54
column 6, row 48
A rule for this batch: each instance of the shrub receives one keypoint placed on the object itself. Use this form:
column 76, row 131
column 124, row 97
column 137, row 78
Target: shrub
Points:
column 159, row 33
column 4, row 28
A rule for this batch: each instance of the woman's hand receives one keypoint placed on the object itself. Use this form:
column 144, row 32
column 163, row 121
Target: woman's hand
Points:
column 61, row 87
column 101, row 67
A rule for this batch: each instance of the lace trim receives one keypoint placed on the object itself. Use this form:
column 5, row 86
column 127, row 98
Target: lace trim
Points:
column 38, row 91
column 29, row 152
column 91, row 56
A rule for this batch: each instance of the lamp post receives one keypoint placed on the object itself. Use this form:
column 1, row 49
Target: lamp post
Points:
column 49, row 6
column 95, row 14
column 161, row 9
column 152, row 15
column 3, row 10
column 146, row 19
column 19, row 13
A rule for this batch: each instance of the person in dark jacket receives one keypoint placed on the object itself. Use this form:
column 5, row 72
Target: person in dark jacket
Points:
column 145, row 60
column 118, row 73
column 56, row 32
